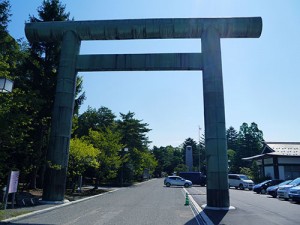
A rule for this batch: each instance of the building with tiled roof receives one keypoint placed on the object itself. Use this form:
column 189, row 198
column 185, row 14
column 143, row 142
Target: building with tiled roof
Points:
column 279, row 160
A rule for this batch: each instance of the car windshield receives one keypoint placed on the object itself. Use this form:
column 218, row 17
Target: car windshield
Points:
column 244, row 177
column 285, row 182
column 264, row 182
column 296, row 181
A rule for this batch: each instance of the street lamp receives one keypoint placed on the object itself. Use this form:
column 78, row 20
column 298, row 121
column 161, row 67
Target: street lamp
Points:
column 122, row 169
column 6, row 85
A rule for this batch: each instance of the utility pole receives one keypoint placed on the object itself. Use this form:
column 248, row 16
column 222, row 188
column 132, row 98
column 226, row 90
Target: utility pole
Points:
column 199, row 129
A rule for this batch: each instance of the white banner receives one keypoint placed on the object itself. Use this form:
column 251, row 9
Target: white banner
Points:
column 13, row 183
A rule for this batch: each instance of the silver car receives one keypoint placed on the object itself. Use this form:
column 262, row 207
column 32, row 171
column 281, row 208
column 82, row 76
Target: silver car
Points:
column 177, row 181
column 294, row 193
column 283, row 191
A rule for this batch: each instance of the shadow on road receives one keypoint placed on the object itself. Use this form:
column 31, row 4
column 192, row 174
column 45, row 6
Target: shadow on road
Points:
column 173, row 187
column 216, row 216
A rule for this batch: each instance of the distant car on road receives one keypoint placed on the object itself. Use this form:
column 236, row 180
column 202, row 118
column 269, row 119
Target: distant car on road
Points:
column 195, row 177
column 177, row 181
column 272, row 190
column 283, row 191
column 240, row 181
column 294, row 193
column 261, row 188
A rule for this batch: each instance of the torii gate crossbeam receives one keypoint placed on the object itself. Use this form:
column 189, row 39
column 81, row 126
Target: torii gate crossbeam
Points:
column 210, row 30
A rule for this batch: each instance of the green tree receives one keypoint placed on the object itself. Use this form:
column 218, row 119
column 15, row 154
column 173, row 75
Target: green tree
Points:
column 181, row 168
column 108, row 144
column 250, row 142
column 149, row 162
column 15, row 125
column 133, row 131
column 201, row 151
column 159, row 155
column 82, row 155
column 231, row 156
column 96, row 120
column 140, row 161
column 39, row 75
column 39, row 78
column 168, row 158
column 232, row 138
column 134, row 138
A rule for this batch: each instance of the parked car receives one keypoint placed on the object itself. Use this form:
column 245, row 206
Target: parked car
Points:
column 272, row 190
column 261, row 188
column 177, row 181
column 283, row 191
column 195, row 177
column 294, row 193
column 240, row 181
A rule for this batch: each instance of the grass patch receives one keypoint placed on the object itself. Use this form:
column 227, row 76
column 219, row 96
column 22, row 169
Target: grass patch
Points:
column 73, row 196
column 5, row 214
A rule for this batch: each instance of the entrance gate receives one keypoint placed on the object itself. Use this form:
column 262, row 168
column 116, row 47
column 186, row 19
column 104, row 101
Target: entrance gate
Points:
column 210, row 30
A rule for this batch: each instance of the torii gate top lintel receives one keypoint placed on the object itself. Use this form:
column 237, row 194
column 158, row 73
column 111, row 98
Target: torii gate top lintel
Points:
column 242, row 27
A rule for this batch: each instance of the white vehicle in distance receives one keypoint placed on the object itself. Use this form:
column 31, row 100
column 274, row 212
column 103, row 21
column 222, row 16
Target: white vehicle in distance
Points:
column 177, row 181
column 240, row 181
column 283, row 191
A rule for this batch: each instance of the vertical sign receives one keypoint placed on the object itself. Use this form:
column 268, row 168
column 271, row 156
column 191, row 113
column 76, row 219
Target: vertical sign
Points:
column 189, row 158
column 13, row 182
column 12, row 186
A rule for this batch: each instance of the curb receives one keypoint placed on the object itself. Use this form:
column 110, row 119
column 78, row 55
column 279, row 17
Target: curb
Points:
column 200, row 213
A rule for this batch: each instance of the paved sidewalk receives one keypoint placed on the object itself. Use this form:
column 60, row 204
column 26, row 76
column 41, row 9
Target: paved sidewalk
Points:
column 43, row 207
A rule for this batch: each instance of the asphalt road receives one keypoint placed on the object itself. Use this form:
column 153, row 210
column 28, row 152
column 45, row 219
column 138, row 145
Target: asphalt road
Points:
column 251, row 208
column 152, row 203
column 148, row 203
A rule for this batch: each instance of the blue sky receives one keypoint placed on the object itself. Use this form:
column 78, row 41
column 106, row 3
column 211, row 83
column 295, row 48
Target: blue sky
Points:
column 261, row 76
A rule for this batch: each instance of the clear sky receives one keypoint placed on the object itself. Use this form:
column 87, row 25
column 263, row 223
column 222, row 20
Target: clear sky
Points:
column 261, row 76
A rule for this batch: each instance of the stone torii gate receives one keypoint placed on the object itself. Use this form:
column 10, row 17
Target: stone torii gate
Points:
column 210, row 30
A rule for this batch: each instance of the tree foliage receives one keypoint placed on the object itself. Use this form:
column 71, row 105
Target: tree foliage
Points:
column 26, row 114
column 247, row 142
column 168, row 159
column 108, row 144
column 96, row 120
column 82, row 155
column 133, row 131
column 14, row 123
column 140, row 161
column 232, row 138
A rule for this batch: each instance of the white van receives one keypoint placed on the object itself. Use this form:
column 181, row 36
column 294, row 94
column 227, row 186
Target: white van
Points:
column 240, row 181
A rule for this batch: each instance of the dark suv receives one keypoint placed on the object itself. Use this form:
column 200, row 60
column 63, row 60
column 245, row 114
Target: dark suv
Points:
column 195, row 177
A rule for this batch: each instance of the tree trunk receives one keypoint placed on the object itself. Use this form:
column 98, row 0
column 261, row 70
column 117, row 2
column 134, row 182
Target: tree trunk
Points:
column 33, row 178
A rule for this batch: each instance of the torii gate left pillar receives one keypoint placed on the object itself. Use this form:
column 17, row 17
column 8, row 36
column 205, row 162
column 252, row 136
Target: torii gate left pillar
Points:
column 209, row 61
column 61, row 126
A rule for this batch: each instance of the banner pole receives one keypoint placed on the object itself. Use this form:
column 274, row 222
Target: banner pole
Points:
column 6, row 191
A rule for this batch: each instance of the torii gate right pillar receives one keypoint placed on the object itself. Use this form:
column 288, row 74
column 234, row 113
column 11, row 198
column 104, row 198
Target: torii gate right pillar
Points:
column 214, row 119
